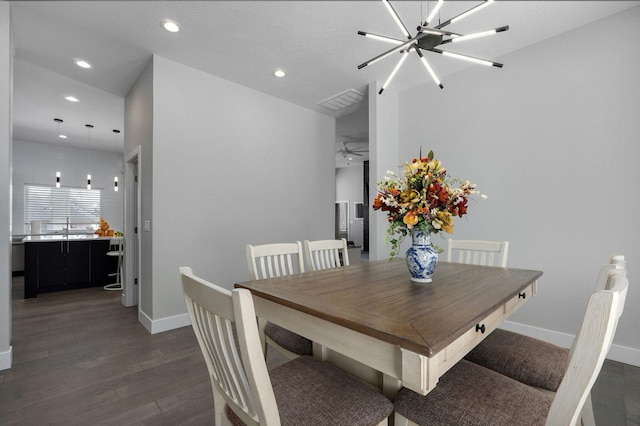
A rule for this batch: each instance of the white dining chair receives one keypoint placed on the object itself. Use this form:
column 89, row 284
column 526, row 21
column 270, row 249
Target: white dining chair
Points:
column 532, row 361
column 500, row 400
column 276, row 260
column 304, row 391
column 116, row 250
column 476, row 252
column 326, row 254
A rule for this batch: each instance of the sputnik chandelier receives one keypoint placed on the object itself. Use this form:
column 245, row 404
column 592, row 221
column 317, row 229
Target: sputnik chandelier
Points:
column 429, row 38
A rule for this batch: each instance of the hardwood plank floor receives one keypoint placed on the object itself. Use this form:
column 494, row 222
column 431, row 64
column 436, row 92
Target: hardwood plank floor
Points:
column 81, row 358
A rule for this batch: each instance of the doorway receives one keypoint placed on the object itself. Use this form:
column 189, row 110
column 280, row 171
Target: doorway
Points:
column 342, row 220
column 132, row 200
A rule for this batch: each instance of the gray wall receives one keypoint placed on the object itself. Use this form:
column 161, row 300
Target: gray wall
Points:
column 553, row 139
column 231, row 166
column 383, row 156
column 138, row 132
column 6, row 95
column 36, row 163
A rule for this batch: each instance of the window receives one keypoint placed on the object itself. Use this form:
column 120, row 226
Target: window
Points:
column 63, row 208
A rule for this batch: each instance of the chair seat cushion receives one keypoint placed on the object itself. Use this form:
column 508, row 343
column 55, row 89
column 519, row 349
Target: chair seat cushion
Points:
column 288, row 339
column 525, row 359
column 470, row 394
column 311, row 392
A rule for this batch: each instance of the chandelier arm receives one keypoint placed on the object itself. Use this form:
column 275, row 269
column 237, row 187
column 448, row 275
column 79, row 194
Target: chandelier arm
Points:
column 466, row 58
column 476, row 35
column 428, row 68
column 474, row 9
column 389, row 52
column 435, row 10
column 426, row 30
column 380, row 37
column 403, row 57
column 396, row 18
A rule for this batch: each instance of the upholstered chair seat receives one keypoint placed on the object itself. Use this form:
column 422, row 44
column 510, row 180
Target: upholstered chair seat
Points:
column 531, row 361
column 471, row 395
column 288, row 340
column 337, row 398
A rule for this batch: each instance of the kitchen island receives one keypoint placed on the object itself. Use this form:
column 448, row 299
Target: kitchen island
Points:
column 62, row 262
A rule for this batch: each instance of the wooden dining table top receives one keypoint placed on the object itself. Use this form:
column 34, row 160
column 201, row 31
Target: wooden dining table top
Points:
column 378, row 299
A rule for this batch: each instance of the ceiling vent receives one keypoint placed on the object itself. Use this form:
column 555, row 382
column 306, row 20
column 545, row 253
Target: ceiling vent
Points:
column 342, row 100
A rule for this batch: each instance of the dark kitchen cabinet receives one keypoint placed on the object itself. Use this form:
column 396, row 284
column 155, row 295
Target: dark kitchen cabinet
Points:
column 50, row 264
column 77, row 263
column 66, row 264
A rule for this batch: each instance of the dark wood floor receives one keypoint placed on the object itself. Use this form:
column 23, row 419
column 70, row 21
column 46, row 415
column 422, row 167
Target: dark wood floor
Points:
column 81, row 358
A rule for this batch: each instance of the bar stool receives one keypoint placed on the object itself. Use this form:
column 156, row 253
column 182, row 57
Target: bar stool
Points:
column 115, row 245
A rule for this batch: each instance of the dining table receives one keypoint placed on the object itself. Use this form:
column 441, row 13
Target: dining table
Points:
column 372, row 320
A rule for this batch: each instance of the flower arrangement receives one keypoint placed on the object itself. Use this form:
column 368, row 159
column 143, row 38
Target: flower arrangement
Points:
column 424, row 197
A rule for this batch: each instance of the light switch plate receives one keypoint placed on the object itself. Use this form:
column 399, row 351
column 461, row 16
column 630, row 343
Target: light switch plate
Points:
column 147, row 225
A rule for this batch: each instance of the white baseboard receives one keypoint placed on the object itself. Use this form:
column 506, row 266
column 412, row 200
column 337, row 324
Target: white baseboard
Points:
column 617, row 353
column 6, row 358
column 163, row 324
column 145, row 320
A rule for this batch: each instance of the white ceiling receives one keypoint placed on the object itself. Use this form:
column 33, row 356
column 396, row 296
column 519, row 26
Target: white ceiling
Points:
column 316, row 42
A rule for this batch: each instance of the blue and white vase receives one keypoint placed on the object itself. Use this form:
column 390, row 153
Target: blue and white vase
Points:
column 422, row 258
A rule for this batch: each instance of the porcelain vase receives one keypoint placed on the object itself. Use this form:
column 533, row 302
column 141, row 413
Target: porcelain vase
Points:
column 422, row 258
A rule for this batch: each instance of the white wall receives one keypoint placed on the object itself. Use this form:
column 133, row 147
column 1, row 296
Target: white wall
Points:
column 37, row 163
column 349, row 182
column 6, row 96
column 231, row 166
column 553, row 139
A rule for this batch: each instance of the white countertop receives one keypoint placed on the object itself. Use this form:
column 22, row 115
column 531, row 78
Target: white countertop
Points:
column 64, row 237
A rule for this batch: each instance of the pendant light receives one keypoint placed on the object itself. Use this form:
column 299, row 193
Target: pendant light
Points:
column 115, row 178
column 58, row 176
column 89, row 126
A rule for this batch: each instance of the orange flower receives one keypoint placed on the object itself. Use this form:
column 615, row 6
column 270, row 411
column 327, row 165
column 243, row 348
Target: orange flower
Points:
column 410, row 219
column 377, row 202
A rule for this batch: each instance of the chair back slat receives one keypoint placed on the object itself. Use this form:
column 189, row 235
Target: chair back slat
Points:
column 236, row 380
column 274, row 260
column 590, row 348
column 217, row 335
column 326, row 254
column 487, row 253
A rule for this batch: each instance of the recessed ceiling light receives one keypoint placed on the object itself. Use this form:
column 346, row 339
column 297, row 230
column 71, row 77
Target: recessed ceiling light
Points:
column 72, row 99
column 279, row 73
column 62, row 136
column 170, row 26
column 82, row 63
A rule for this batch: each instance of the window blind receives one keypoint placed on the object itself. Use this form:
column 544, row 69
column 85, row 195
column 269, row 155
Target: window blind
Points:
column 74, row 206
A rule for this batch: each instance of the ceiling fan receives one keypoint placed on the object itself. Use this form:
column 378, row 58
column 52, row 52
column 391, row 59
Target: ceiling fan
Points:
column 428, row 38
column 346, row 151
